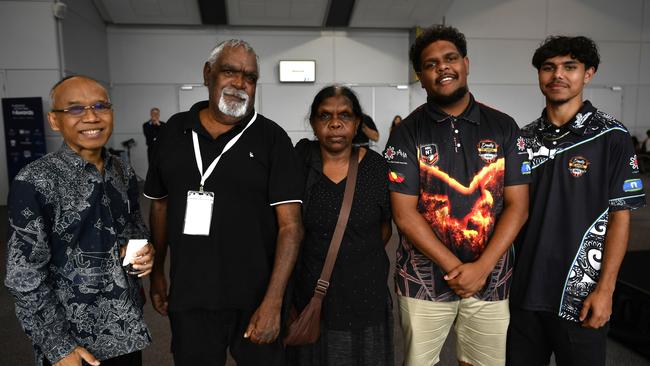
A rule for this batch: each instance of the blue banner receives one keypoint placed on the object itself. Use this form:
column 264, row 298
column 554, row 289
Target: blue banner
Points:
column 24, row 133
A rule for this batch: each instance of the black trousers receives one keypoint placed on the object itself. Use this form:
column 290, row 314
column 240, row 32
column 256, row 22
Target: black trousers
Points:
column 534, row 335
column 129, row 359
column 202, row 337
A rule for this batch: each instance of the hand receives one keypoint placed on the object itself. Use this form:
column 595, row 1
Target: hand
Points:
column 74, row 358
column 596, row 309
column 468, row 278
column 158, row 292
column 143, row 261
column 264, row 326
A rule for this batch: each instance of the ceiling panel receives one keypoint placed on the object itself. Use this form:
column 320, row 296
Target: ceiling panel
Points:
column 276, row 13
column 291, row 13
column 398, row 13
column 171, row 12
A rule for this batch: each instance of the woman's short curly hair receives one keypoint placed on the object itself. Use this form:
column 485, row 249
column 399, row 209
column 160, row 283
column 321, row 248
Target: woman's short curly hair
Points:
column 433, row 34
column 580, row 48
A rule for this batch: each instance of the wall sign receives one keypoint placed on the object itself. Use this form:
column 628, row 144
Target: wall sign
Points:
column 24, row 132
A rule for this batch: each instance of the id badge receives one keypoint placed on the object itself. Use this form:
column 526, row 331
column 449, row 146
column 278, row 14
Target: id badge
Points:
column 198, row 213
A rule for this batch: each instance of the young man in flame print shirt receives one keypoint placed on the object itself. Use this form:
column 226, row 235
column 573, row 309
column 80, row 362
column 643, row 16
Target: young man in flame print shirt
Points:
column 585, row 181
column 459, row 194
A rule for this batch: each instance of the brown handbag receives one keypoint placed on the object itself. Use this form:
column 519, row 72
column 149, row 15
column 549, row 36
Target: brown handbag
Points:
column 305, row 328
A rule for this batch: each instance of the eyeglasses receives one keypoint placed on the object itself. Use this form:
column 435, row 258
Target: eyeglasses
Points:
column 79, row 110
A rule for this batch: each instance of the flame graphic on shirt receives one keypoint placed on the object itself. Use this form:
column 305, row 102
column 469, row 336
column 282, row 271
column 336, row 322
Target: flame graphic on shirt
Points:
column 473, row 229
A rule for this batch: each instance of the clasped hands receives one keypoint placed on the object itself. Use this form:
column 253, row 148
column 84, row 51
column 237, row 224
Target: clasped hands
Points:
column 468, row 278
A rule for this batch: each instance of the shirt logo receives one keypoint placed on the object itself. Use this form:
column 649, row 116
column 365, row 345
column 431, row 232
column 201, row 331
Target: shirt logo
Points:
column 487, row 150
column 391, row 153
column 632, row 185
column 578, row 166
column 521, row 143
column 634, row 162
column 429, row 154
column 525, row 168
column 395, row 177
column 581, row 119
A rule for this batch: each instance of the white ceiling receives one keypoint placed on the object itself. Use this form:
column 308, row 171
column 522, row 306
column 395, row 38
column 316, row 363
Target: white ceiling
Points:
column 282, row 13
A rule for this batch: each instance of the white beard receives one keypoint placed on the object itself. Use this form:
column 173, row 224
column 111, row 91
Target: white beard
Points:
column 233, row 109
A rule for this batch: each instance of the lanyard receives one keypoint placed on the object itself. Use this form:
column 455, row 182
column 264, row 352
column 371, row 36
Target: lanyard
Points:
column 199, row 160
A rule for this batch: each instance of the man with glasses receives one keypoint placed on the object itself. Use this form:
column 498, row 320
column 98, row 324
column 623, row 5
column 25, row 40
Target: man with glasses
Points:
column 71, row 213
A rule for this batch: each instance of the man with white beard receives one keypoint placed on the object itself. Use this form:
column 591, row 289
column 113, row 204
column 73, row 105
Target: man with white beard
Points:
column 226, row 193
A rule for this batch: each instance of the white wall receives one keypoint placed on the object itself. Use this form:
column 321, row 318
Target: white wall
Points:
column 29, row 63
column 503, row 34
column 148, row 66
column 85, row 46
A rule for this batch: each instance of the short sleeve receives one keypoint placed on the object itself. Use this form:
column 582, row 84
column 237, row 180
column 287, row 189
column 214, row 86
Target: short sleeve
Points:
column 401, row 154
column 625, row 186
column 367, row 120
column 285, row 179
column 517, row 166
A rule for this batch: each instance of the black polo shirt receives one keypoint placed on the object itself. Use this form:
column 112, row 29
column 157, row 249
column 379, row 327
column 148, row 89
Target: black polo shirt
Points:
column 231, row 267
column 580, row 172
column 458, row 167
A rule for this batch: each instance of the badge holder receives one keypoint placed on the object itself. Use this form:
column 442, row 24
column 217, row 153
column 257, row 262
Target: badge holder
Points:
column 198, row 213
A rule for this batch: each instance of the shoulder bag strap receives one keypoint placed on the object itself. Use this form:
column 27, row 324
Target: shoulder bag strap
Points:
column 341, row 223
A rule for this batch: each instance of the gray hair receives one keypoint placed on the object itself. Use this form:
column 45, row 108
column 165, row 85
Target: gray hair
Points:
column 231, row 43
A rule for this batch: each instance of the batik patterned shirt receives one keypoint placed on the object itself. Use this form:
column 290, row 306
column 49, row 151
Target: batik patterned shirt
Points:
column 67, row 222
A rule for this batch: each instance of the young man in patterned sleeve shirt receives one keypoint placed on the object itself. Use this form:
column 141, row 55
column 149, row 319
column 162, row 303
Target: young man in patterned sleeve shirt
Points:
column 585, row 181
column 459, row 195
column 70, row 215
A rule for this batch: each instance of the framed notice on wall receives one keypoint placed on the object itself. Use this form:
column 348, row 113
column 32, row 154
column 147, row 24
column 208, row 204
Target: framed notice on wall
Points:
column 297, row 71
column 24, row 133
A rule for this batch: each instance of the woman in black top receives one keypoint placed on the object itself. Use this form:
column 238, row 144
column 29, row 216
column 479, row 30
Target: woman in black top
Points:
column 356, row 322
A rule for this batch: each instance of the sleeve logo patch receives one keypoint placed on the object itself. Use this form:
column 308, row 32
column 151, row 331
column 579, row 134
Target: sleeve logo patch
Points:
column 395, row 177
column 578, row 166
column 391, row 153
column 488, row 150
column 632, row 185
column 526, row 168
column 634, row 162
column 429, row 154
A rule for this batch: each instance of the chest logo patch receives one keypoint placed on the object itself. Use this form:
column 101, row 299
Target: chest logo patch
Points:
column 521, row 143
column 429, row 154
column 487, row 150
column 578, row 166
